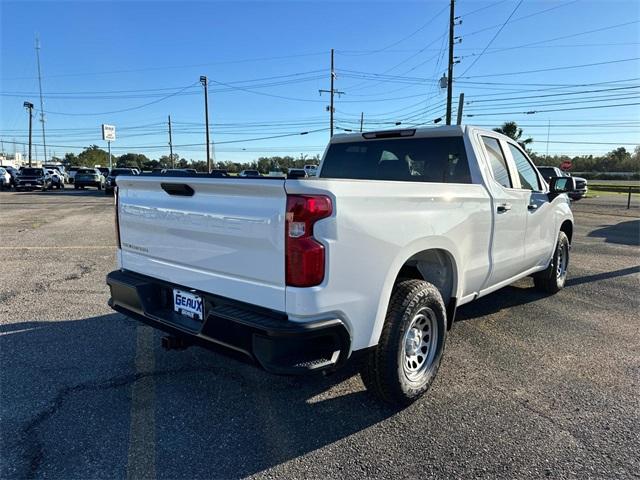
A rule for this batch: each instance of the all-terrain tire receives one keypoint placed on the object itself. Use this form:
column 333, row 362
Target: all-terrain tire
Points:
column 387, row 369
column 552, row 279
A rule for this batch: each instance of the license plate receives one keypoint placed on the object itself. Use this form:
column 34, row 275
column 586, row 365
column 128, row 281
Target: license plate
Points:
column 28, row 184
column 188, row 304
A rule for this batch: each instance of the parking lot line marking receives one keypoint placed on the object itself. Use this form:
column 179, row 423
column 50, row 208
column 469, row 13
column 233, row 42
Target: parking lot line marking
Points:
column 67, row 247
column 141, row 461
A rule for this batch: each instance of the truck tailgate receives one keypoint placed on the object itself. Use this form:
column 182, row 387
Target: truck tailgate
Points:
column 227, row 238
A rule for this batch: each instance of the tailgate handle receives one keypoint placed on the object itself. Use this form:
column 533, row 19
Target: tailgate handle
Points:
column 181, row 189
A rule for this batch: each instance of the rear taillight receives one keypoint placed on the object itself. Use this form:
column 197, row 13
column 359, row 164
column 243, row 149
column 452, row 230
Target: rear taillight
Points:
column 115, row 201
column 304, row 263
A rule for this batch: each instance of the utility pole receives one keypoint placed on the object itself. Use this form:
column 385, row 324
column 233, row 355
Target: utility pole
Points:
column 205, row 83
column 450, row 69
column 29, row 106
column 361, row 120
column 548, row 134
column 170, row 145
column 42, row 120
column 460, row 105
column 331, row 93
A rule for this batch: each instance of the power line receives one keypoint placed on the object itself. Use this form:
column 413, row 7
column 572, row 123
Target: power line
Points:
column 483, row 8
column 124, row 109
column 412, row 34
column 553, row 95
column 524, row 17
column 503, row 74
column 604, row 98
column 199, row 65
column 145, row 147
column 572, row 35
column 493, row 38
column 532, row 112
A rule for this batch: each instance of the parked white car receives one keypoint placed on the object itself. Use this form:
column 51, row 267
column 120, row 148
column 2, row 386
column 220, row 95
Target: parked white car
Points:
column 5, row 179
column 371, row 258
column 57, row 178
column 311, row 170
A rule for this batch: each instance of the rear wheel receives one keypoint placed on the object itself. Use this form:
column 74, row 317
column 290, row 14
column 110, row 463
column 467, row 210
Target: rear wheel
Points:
column 405, row 362
column 552, row 279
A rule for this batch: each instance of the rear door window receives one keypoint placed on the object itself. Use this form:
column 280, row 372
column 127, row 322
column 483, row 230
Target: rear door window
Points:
column 435, row 160
column 526, row 171
column 497, row 162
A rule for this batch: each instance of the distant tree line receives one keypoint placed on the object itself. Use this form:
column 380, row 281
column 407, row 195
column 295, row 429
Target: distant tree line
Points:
column 95, row 155
column 617, row 160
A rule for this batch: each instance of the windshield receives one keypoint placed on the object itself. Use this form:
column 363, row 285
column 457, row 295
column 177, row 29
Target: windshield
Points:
column 429, row 159
column 86, row 171
column 31, row 171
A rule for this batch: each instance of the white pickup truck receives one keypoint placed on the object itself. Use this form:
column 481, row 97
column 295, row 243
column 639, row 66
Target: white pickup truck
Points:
column 370, row 258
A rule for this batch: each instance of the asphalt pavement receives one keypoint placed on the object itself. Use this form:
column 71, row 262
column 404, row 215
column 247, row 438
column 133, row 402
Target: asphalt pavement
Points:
column 531, row 385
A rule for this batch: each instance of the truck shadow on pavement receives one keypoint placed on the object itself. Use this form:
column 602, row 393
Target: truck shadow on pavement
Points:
column 68, row 406
column 523, row 292
column 624, row 233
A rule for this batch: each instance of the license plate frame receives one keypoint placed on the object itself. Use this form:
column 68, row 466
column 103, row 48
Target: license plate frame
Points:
column 188, row 304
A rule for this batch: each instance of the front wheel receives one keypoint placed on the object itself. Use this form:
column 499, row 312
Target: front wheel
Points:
column 552, row 279
column 404, row 363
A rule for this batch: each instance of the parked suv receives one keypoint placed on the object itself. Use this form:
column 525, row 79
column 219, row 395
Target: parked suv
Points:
column 369, row 259
column 57, row 179
column 581, row 183
column 60, row 171
column 110, row 183
column 88, row 177
column 71, row 173
column 30, row 178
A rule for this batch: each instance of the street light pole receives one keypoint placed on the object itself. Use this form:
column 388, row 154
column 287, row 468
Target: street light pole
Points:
column 29, row 106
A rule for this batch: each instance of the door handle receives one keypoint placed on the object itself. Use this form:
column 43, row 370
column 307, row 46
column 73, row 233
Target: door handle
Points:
column 504, row 207
column 532, row 206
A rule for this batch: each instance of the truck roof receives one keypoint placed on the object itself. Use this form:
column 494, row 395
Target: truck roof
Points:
column 418, row 132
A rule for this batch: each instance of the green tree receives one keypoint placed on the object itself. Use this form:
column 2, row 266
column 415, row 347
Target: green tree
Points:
column 70, row 159
column 135, row 160
column 511, row 130
column 94, row 155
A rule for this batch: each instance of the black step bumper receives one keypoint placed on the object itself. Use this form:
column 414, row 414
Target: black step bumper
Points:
column 264, row 336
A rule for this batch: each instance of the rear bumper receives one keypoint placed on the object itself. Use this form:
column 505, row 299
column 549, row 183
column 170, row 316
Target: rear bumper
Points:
column 82, row 183
column 264, row 336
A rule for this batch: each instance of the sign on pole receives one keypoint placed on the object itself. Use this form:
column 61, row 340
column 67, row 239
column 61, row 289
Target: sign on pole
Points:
column 566, row 165
column 108, row 132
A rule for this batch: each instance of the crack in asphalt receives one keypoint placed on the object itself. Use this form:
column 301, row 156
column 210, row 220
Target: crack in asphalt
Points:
column 84, row 271
column 33, row 448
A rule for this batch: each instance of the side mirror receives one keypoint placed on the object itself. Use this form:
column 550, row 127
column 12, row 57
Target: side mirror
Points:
column 558, row 185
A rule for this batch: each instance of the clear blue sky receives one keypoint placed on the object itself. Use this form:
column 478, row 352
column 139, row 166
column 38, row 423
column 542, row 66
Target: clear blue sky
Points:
column 271, row 58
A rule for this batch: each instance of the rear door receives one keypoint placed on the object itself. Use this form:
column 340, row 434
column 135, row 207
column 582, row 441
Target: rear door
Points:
column 222, row 236
column 541, row 229
column 509, row 213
